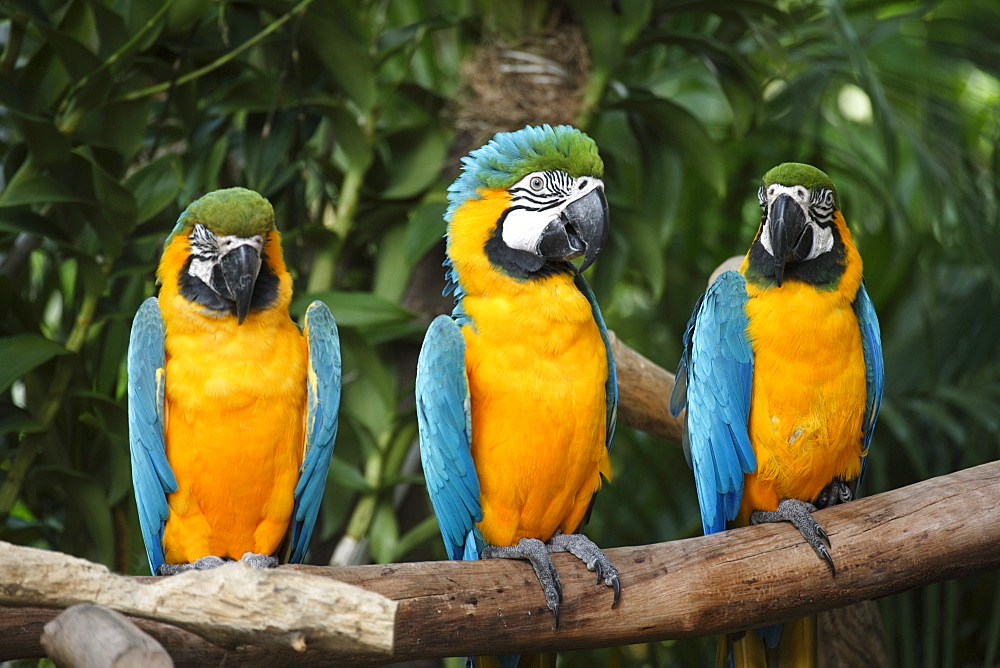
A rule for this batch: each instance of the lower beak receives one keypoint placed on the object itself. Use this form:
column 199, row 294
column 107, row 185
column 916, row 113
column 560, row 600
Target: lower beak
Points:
column 240, row 267
column 788, row 229
column 582, row 229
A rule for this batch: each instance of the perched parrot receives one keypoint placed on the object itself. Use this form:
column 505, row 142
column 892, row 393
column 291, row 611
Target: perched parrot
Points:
column 782, row 378
column 516, row 390
column 232, row 410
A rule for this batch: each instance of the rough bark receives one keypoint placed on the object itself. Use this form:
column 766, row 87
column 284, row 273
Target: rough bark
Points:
column 928, row 532
column 92, row 636
column 231, row 605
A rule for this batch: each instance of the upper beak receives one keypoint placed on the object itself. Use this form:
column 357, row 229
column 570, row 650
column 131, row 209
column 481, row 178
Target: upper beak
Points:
column 581, row 229
column 240, row 267
column 790, row 236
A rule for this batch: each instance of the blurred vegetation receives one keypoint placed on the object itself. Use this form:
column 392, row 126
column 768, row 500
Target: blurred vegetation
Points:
column 350, row 117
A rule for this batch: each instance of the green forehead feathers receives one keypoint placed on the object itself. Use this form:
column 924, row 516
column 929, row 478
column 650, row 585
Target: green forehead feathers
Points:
column 234, row 212
column 510, row 156
column 801, row 174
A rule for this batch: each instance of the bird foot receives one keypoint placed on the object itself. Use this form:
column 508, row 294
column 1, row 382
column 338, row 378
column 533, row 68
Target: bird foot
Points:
column 259, row 560
column 799, row 514
column 537, row 553
column 834, row 493
column 587, row 551
column 203, row 564
column 211, row 561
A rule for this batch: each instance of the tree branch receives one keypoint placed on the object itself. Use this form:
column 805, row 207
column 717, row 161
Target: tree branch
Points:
column 231, row 605
column 928, row 532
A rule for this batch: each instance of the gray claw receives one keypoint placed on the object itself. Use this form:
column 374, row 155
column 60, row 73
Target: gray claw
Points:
column 799, row 513
column 584, row 549
column 259, row 560
column 536, row 552
column 203, row 564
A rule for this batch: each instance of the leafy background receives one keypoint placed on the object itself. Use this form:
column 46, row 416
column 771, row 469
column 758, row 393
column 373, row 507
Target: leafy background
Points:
column 350, row 118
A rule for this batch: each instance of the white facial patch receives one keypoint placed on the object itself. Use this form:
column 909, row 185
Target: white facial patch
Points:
column 207, row 249
column 538, row 199
column 822, row 236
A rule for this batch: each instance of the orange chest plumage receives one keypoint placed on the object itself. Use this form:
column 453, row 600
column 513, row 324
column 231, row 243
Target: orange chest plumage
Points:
column 537, row 369
column 235, row 398
column 808, row 396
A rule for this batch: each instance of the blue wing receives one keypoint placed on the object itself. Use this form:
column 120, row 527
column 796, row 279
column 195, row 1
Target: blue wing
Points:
column 714, row 381
column 323, row 381
column 611, row 385
column 871, row 342
column 152, row 477
column 445, row 422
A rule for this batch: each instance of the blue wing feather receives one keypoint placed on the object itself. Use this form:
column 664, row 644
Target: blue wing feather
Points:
column 611, row 385
column 152, row 477
column 871, row 343
column 445, row 422
column 323, row 381
column 713, row 381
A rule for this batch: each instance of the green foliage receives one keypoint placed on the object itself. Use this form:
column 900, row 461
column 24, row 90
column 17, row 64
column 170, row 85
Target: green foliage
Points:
column 115, row 116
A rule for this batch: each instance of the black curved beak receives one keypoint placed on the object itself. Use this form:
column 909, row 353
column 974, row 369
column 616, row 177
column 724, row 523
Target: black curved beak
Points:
column 581, row 229
column 791, row 238
column 239, row 268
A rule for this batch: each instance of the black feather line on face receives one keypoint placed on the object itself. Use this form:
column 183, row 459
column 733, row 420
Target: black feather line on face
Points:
column 823, row 271
column 518, row 263
column 265, row 290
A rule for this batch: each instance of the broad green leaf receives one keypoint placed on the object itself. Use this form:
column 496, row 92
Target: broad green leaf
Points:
column 383, row 536
column 21, row 353
column 78, row 60
column 424, row 229
column 347, row 476
column 88, row 513
column 155, row 185
column 350, row 141
column 16, row 420
column 120, row 126
column 38, row 190
column 416, row 160
column 24, row 221
column 344, row 54
column 427, row 530
column 392, row 271
column 358, row 309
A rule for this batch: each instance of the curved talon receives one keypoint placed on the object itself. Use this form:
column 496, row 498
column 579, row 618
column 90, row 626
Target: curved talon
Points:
column 537, row 553
column 799, row 513
column 259, row 560
column 585, row 550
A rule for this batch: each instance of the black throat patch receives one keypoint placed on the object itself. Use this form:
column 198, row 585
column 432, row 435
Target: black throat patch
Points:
column 265, row 290
column 518, row 263
column 823, row 272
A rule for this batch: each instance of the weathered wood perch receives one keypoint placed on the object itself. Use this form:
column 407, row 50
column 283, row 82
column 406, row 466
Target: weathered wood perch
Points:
column 934, row 530
column 92, row 636
column 231, row 605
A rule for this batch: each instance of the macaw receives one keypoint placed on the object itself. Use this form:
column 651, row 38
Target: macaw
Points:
column 232, row 410
column 782, row 378
column 516, row 390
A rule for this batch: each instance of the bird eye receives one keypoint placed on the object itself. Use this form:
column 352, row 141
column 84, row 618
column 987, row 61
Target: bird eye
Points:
column 536, row 183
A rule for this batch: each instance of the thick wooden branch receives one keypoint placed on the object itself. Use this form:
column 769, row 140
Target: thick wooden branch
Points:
column 644, row 393
column 231, row 605
column 92, row 636
column 644, row 388
column 928, row 532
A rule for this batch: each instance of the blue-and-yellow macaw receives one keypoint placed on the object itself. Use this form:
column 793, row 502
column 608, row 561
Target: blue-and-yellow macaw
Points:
column 782, row 378
column 232, row 410
column 516, row 390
